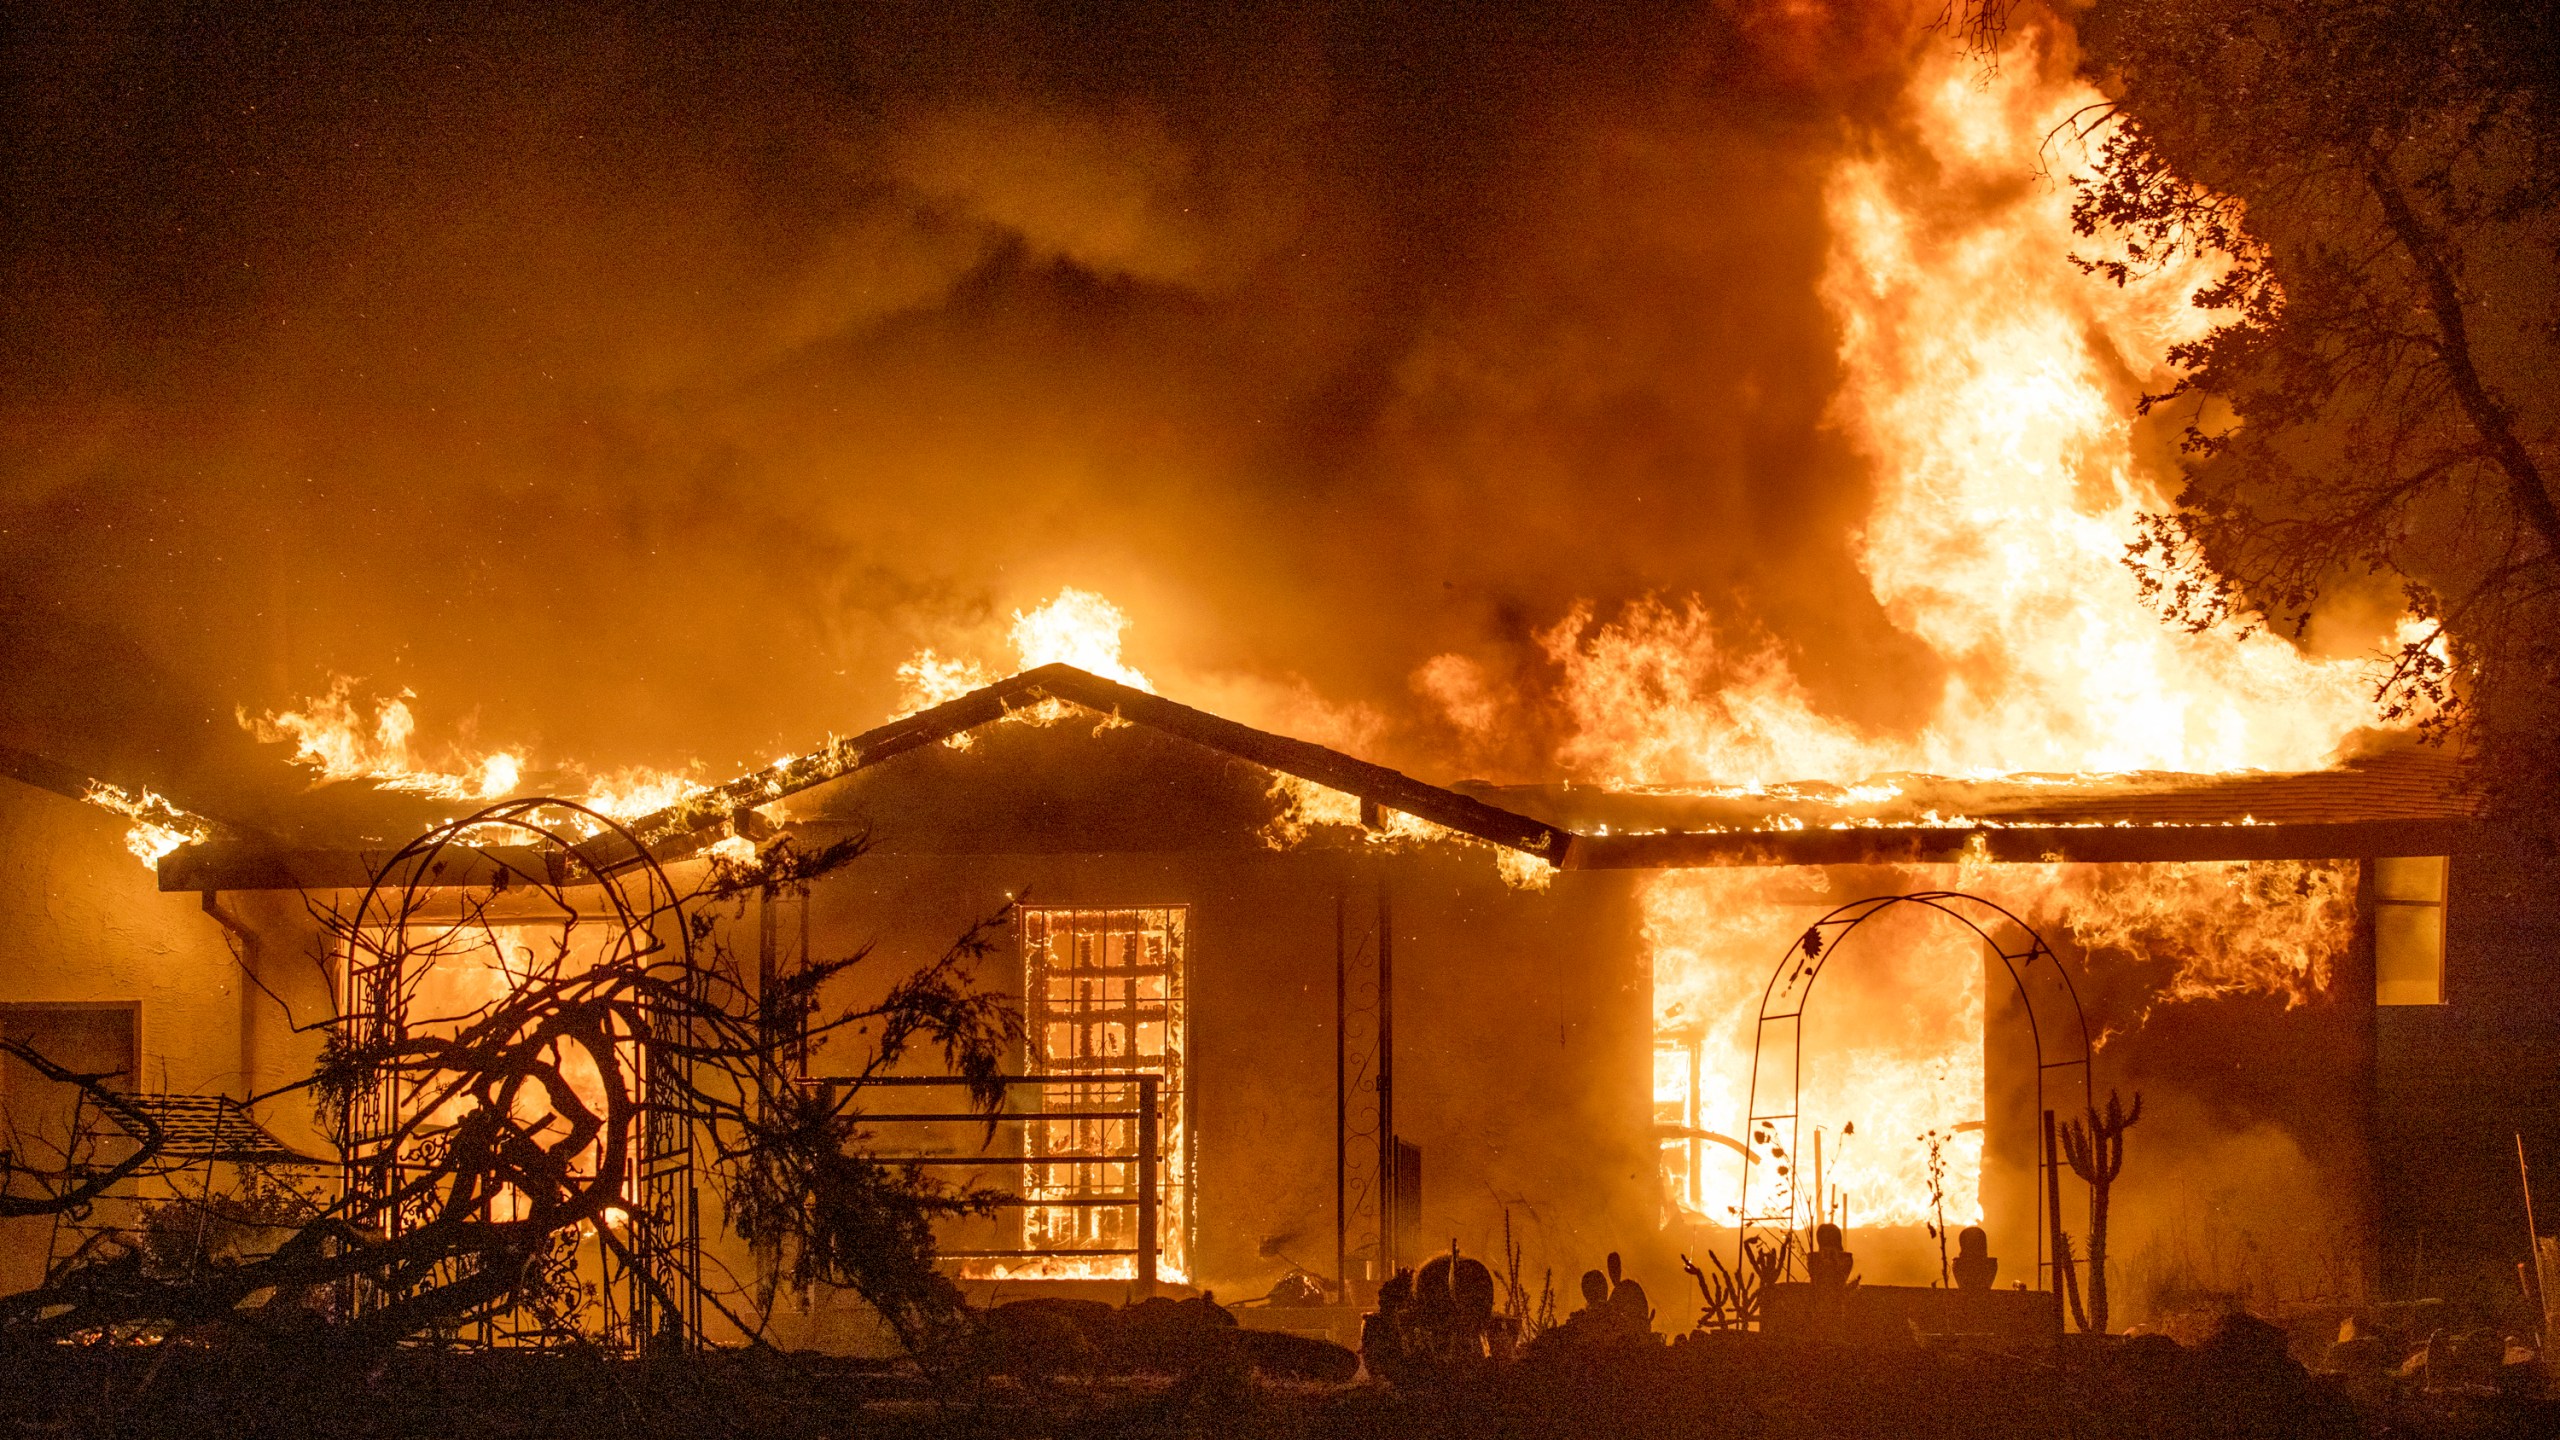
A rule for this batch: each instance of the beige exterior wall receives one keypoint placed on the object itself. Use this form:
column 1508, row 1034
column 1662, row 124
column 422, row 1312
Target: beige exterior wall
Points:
column 82, row 920
column 1523, row 1044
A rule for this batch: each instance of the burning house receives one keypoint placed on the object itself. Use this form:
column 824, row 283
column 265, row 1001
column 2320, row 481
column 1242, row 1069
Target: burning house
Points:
column 1372, row 1017
column 1853, row 817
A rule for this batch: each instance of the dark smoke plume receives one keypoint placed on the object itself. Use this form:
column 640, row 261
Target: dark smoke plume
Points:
column 641, row 383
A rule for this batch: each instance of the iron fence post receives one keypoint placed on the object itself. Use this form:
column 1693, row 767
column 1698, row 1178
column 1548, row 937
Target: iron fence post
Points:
column 1146, row 1238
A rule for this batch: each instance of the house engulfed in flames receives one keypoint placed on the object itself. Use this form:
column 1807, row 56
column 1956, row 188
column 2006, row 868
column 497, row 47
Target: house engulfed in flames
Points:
column 1381, row 1015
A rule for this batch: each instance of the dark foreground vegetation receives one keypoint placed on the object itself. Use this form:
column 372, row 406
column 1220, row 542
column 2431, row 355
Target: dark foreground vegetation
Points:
column 2236, row 1384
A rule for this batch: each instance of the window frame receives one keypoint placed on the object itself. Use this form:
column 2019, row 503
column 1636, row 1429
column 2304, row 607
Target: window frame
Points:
column 2390, row 990
column 1037, row 929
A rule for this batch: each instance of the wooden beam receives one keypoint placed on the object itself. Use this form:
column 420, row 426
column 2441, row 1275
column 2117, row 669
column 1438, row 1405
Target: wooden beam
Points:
column 1330, row 768
column 2027, row 844
column 231, row 865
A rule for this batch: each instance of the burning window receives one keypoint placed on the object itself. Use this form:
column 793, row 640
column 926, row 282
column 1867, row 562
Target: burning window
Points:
column 1103, row 996
column 2408, row 930
column 1676, row 1120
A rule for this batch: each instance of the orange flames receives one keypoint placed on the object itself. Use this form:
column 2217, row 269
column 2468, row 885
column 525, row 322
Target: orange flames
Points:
column 331, row 737
column 158, row 826
column 2265, row 927
column 1991, row 386
column 1891, row 1049
column 1076, row 627
column 334, row 736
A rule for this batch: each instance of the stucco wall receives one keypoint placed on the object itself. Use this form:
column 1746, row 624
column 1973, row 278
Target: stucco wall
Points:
column 82, row 920
column 1522, row 1040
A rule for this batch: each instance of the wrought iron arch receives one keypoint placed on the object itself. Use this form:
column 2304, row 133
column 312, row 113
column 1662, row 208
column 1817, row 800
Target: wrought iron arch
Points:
column 1790, row 991
column 405, row 916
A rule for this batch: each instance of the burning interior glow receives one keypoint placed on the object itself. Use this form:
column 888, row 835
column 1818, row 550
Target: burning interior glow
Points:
column 1989, row 382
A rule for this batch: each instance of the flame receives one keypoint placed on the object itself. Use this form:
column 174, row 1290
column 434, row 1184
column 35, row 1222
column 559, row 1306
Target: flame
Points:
column 2265, row 927
column 1877, row 1060
column 1074, row 627
column 931, row 679
column 159, row 827
column 1307, row 808
column 1658, row 696
column 1990, row 384
column 637, row 790
column 331, row 737
column 1893, row 1037
column 1078, row 628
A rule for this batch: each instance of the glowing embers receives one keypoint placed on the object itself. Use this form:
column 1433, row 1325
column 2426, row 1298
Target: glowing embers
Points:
column 1103, row 996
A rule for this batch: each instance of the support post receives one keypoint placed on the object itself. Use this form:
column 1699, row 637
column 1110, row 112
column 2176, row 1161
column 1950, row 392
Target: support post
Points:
column 1341, row 1102
column 1147, row 1185
column 1387, row 1217
column 769, row 1061
column 246, row 952
column 2532, row 1236
column 2053, row 1219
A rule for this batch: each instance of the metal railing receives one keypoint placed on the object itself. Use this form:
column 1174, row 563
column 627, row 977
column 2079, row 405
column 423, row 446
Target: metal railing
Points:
column 1144, row 1202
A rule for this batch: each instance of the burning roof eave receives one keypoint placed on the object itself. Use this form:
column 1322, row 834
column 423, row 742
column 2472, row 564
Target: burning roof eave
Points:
column 710, row 815
column 2028, row 844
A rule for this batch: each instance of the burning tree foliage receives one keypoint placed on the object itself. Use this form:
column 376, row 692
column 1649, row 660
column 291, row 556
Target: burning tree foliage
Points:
column 486, row 1143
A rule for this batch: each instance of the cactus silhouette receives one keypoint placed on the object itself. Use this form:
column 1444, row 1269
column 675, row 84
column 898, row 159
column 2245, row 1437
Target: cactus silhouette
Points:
column 2095, row 1148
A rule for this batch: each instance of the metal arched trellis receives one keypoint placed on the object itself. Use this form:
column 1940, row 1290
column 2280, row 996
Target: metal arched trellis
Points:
column 1790, row 990
column 536, row 851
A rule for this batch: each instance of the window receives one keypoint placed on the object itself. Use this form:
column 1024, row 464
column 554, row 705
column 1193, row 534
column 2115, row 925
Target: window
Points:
column 1675, row 1117
column 2408, row 930
column 1102, row 994
column 44, row 1116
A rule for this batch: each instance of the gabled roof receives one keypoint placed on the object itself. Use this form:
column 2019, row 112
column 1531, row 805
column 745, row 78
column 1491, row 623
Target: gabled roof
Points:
column 712, row 814
column 2407, row 801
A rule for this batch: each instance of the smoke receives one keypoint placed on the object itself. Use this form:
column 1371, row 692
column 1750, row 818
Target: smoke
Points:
column 639, row 390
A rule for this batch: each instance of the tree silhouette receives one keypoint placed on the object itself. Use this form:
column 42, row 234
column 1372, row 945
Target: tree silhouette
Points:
column 2373, row 409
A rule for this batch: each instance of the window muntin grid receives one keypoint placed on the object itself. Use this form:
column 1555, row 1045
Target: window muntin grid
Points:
column 2408, row 929
column 1103, row 993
